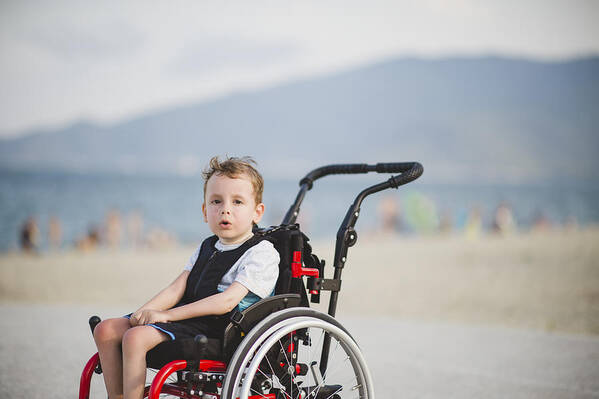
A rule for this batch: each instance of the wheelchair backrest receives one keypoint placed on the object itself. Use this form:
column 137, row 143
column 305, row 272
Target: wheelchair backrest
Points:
column 288, row 240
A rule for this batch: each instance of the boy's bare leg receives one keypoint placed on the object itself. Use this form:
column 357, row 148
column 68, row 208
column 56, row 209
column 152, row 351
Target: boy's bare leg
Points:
column 136, row 343
column 108, row 336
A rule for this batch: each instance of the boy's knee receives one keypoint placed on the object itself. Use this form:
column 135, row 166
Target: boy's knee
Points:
column 102, row 331
column 109, row 330
column 138, row 338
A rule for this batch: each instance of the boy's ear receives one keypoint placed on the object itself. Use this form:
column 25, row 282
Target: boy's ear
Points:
column 204, row 212
column 258, row 213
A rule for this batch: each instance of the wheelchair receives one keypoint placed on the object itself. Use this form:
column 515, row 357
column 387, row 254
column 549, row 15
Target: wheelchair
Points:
column 278, row 348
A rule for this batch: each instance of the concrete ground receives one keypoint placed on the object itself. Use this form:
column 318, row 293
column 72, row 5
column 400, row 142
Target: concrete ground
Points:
column 428, row 360
column 45, row 347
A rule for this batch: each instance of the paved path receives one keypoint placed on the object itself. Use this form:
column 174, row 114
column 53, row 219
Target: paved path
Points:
column 44, row 347
column 425, row 360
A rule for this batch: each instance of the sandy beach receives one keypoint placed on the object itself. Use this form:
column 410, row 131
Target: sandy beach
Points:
column 547, row 281
column 467, row 318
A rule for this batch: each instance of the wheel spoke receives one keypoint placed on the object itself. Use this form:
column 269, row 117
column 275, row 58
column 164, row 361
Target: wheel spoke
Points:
column 334, row 369
column 291, row 375
column 318, row 345
column 327, row 371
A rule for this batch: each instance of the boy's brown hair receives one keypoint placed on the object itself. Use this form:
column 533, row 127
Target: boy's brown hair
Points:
column 233, row 168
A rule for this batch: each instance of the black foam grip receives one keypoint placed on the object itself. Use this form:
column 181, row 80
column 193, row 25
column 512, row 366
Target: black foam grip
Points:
column 337, row 169
column 413, row 173
column 394, row 167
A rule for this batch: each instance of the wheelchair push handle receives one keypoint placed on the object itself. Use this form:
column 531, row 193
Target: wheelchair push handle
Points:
column 410, row 171
column 338, row 169
column 346, row 235
column 359, row 168
column 398, row 167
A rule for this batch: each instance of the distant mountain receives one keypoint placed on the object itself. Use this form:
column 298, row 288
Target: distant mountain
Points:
column 466, row 119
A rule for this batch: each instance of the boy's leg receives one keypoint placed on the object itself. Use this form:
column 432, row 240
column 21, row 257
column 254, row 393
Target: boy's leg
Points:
column 108, row 336
column 136, row 343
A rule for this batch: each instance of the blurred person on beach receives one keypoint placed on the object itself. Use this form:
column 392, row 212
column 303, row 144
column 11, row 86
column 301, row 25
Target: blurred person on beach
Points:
column 89, row 241
column 29, row 235
column 446, row 222
column 421, row 213
column 540, row 222
column 474, row 223
column 113, row 229
column 504, row 222
column 54, row 233
column 243, row 269
column 388, row 211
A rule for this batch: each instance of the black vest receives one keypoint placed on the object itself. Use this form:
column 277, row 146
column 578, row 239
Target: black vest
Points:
column 210, row 268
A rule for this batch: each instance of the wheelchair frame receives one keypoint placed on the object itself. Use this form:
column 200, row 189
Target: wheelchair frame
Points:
column 286, row 321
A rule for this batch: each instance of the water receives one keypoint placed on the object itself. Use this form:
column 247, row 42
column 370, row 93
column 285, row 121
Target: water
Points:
column 173, row 204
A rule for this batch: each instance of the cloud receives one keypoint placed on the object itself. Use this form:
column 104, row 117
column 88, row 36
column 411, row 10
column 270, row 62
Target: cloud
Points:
column 75, row 42
column 217, row 52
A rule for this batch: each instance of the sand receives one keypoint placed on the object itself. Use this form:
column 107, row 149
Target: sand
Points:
column 435, row 316
column 547, row 281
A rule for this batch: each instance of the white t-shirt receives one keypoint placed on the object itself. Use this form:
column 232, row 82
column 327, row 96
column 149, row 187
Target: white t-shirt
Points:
column 257, row 270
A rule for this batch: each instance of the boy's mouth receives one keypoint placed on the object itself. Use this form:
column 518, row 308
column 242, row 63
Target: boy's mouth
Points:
column 225, row 223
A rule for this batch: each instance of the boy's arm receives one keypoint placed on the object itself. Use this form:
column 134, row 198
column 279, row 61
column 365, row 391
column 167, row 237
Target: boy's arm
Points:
column 216, row 304
column 165, row 299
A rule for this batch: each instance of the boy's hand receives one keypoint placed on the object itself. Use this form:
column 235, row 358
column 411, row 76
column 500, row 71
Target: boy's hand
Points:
column 150, row 316
column 134, row 318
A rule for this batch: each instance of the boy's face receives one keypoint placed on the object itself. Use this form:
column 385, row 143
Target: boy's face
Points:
column 230, row 208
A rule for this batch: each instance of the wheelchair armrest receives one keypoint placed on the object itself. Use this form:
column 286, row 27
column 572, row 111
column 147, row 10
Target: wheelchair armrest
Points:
column 243, row 322
column 258, row 311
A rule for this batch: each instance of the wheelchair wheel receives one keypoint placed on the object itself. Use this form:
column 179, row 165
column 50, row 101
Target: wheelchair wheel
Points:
column 280, row 358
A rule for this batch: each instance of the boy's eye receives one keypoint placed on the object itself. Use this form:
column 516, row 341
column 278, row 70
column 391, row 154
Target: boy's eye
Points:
column 215, row 201
column 237, row 202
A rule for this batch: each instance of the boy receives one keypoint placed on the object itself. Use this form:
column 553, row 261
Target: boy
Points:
column 232, row 269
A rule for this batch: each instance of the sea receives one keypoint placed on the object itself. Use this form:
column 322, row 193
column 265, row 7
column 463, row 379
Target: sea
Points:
column 170, row 206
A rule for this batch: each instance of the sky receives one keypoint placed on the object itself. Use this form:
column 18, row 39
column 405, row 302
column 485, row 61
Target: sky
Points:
column 62, row 62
